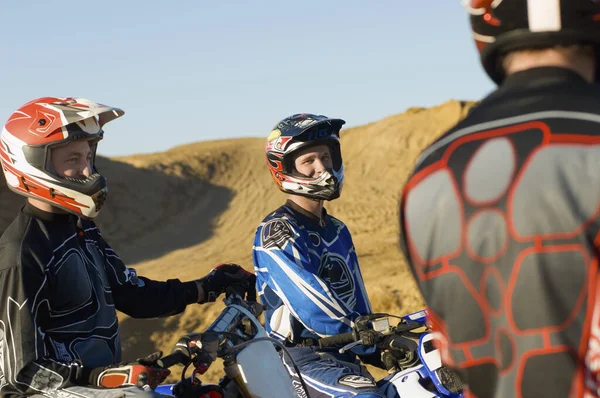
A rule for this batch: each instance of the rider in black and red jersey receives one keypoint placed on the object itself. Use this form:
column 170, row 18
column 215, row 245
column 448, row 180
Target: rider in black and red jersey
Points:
column 501, row 217
column 60, row 281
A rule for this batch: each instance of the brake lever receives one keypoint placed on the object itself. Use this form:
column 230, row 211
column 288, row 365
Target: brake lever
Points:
column 232, row 296
column 254, row 307
column 349, row 346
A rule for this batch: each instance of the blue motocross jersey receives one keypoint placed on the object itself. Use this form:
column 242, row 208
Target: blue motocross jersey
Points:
column 307, row 275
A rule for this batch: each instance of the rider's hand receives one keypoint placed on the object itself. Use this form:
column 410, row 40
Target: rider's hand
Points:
column 398, row 352
column 143, row 371
column 223, row 276
column 393, row 353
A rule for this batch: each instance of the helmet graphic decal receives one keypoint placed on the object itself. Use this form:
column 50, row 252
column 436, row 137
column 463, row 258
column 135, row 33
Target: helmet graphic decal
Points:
column 484, row 8
column 336, row 273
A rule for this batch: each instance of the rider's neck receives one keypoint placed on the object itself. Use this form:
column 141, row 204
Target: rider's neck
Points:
column 577, row 58
column 314, row 206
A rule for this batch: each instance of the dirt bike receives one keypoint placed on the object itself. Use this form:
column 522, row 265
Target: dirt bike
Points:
column 253, row 367
column 408, row 353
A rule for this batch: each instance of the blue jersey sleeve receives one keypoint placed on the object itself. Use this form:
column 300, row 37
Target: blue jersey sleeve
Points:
column 282, row 263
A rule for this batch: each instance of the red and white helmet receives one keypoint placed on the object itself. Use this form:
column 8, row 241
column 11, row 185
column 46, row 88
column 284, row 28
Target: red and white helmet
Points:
column 30, row 133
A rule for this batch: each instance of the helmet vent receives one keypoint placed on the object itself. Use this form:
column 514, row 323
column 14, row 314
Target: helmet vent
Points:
column 25, row 185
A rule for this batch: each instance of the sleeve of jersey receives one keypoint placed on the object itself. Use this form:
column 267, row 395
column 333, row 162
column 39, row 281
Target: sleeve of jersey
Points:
column 141, row 297
column 25, row 367
column 284, row 261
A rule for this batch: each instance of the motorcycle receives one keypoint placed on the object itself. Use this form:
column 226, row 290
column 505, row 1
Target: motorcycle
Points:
column 253, row 367
column 416, row 368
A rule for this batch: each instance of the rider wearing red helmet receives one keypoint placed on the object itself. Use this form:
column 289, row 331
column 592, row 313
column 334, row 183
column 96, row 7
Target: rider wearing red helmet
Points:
column 60, row 281
column 500, row 217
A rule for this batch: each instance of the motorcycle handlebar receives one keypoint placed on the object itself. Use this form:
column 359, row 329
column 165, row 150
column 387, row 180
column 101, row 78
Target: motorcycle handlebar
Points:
column 369, row 336
column 177, row 357
column 337, row 340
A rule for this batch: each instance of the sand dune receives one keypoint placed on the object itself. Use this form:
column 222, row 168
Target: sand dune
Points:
column 177, row 213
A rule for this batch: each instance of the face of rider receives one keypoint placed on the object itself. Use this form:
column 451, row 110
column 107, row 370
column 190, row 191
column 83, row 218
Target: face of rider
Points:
column 73, row 160
column 313, row 161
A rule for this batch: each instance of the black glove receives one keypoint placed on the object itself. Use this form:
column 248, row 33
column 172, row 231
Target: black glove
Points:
column 398, row 353
column 394, row 353
column 144, row 371
column 225, row 275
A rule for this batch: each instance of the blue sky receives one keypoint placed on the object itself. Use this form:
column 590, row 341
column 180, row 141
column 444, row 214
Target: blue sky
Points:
column 187, row 71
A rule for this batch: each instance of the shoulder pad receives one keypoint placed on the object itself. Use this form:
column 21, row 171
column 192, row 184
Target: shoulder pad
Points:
column 276, row 232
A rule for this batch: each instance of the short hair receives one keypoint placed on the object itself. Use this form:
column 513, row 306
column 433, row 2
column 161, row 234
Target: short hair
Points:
column 574, row 51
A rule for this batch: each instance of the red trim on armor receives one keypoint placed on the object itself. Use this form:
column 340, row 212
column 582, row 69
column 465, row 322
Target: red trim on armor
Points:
column 574, row 139
column 443, row 269
column 480, row 361
column 439, row 326
column 468, row 356
column 513, row 357
column 480, row 302
column 503, row 131
column 513, row 280
column 422, row 174
column 419, row 262
column 597, row 241
column 493, row 271
column 578, row 383
column 546, row 339
column 509, row 208
column 426, row 172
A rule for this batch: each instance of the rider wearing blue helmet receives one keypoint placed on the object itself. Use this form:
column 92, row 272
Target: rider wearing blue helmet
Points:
column 307, row 270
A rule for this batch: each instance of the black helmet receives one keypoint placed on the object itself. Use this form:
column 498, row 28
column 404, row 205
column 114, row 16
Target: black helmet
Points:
column 502, row 26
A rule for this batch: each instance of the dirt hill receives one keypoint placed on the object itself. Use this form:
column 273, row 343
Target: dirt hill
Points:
column 177, row 213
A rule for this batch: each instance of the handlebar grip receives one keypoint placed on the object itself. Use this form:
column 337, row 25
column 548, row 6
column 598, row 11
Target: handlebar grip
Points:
column 408, row 326
column 337, row 340
column 177, row 357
